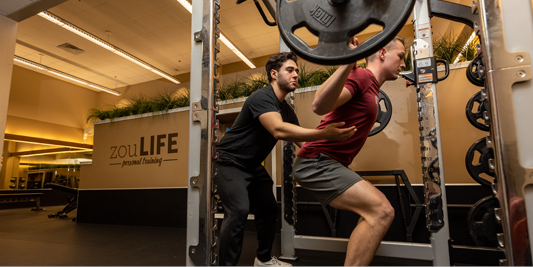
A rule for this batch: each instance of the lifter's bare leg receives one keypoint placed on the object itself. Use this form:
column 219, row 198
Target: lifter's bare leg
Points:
column 377, row 215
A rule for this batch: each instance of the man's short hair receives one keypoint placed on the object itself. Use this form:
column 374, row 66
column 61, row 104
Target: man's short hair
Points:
column 391, row 45
column 276, row 61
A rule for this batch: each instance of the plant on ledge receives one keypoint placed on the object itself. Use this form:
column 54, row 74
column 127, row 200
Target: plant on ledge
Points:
column 140, row 104
column 449, row 47
column 238, row 88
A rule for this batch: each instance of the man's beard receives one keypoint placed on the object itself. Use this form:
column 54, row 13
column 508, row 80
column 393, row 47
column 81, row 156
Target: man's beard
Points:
column 287, row 87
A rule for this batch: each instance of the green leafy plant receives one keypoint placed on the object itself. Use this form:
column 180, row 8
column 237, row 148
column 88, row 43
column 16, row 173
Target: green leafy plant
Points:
column 306, row 77
column 309, row 77
column 449, row 46
column 231, row 90
column 330, row 70
column 240, row 87
column 470, row 51
column 98, row 114
column 254, row 83
column 407, row 57
column 163, row 101
column 140, row 104
column 361, row 64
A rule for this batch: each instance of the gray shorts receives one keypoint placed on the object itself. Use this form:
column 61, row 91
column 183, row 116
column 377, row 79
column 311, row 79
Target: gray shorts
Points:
column 325, row 177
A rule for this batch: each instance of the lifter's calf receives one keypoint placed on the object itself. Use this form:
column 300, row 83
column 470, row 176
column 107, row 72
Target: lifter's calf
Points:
column 377, row 215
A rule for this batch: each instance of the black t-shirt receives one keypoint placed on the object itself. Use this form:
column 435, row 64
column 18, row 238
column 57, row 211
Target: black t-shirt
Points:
column 248, row 143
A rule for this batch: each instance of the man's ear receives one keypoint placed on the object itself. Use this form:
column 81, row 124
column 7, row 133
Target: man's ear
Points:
column 382, row 53
column 273, row 74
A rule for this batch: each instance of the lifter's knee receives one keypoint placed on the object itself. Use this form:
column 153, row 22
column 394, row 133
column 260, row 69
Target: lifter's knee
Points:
column 381, row 215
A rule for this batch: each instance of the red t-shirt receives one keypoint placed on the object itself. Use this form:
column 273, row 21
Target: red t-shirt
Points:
column 361, row 110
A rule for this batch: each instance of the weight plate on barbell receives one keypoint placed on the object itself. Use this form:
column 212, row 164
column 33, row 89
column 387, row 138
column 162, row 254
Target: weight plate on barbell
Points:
column 475, row 72
column 482, row 224
column 473, row 116
column 475, row 170
column 384, row 116
column 334, row 22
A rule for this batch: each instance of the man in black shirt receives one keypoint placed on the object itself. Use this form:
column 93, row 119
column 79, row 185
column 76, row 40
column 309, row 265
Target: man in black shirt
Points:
column 243, row 183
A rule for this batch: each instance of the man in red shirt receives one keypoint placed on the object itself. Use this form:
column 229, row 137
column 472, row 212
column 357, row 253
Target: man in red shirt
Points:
column 351, row 95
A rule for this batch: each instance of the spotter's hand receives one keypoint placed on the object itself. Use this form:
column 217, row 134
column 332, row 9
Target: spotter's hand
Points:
column 334, row 132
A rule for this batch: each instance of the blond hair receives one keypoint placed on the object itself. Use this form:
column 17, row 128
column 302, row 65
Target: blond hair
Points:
column 391, row 45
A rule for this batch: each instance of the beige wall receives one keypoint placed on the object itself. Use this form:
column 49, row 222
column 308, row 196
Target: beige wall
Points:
column 45, row 107
column 8, row 36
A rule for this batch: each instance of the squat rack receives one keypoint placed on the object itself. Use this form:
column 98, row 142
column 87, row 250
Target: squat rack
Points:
column 436, row 215
column 509, row 89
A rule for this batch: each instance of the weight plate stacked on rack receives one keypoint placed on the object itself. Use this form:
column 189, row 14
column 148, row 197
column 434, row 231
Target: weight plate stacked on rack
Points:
column 475, row 72
column 474, row 116
column 483, row 165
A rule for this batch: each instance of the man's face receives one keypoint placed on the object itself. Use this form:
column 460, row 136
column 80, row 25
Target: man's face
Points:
column 287, row 77
column 394, row 62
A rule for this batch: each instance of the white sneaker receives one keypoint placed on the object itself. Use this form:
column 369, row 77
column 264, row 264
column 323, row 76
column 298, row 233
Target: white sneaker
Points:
column 272, row 262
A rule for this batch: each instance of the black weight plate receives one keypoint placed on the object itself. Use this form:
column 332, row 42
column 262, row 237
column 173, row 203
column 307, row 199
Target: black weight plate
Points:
column 482, row 224
column 334, row 24
column 483, row 166
column 474, row 116
column 475, row 72
column 384, row 116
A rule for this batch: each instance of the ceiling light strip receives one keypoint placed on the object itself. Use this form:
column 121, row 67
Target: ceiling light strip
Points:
column 234, row 49
column 186, row 5
column 93, row 38
column 224, row 40
column 51, row 153
column 64, row 75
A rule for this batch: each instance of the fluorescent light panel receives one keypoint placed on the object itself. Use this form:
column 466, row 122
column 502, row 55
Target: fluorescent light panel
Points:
column 65, row 75
column 464, row 47
column 186, row 5
column 236, row 51
column 80, row 32
column 222, row 38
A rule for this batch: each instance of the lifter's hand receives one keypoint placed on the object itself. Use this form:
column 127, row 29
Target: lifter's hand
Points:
column 353, row 43
column 333, row 132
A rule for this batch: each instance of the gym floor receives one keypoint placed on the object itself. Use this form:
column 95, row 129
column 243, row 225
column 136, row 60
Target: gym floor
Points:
column 29, row 238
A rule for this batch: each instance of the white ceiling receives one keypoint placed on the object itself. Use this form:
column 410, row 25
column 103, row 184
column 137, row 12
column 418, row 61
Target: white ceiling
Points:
column 156, row 31
column 9, row 7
